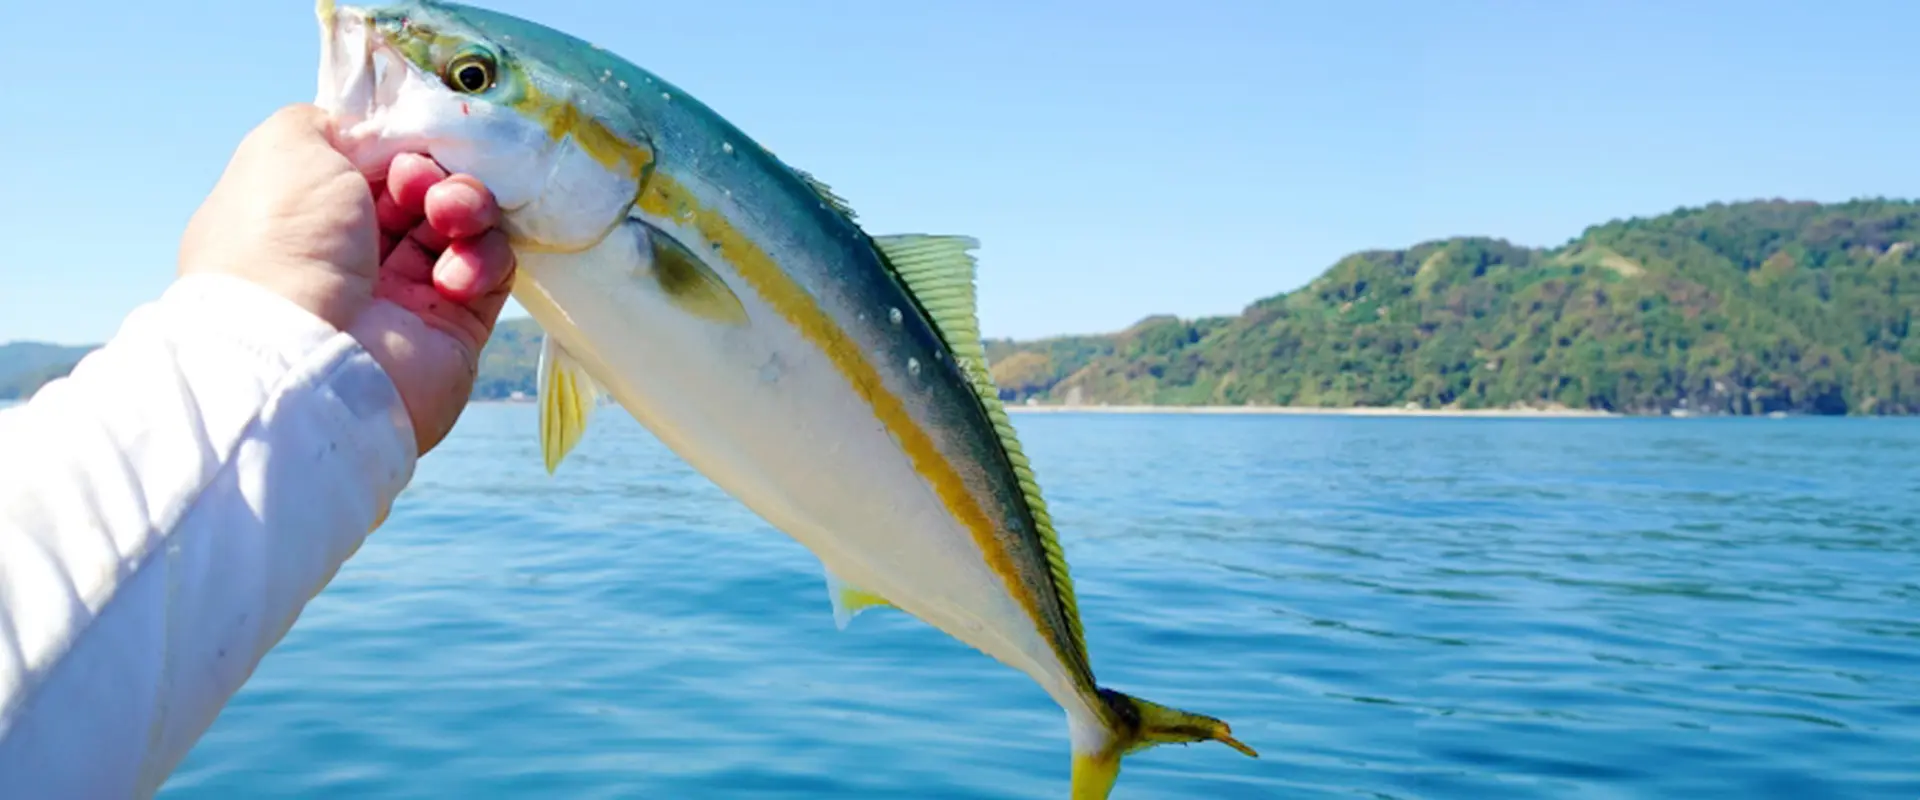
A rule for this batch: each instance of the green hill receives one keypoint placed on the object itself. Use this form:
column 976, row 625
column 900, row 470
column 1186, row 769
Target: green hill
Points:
column 509, row 361
column 1729, row 309
column 1743, row 308
column 25, row 366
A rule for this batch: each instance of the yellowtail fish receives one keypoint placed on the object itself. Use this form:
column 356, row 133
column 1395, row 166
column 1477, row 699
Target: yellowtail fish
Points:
column 834, row 382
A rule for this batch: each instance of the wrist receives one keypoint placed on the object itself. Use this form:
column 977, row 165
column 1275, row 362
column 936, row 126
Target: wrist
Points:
column 322, row 292
column 419, row 358
column 263, row 323
column 234, row 307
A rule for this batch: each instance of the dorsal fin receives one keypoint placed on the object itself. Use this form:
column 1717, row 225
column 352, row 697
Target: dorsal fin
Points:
column 833, row 201
column 939, row 272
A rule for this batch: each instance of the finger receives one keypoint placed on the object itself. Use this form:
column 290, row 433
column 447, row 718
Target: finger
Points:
column 429, row 239
column 486, row 309
column 399, row 199
column 394, row 223
column 472, row 269
column 461, row 207
column 411, row 257
column 408, row 264
column 408, row 181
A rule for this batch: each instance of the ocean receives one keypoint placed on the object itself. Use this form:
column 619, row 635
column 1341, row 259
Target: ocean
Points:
column 1383, row 607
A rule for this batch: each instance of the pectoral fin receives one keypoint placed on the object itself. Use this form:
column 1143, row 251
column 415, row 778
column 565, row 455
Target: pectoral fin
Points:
column 567, row 398
column 688, row 282
column 849, row 600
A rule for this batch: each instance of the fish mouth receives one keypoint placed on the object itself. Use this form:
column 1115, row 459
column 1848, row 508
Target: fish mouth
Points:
column 360, row 80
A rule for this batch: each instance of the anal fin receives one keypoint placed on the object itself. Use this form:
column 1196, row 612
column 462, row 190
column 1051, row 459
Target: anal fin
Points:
column 567, row 397
column 849, row 600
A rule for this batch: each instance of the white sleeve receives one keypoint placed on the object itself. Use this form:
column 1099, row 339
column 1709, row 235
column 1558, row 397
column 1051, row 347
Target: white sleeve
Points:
column 166, row 511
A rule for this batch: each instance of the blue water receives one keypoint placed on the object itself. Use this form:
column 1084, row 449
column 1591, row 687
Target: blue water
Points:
column 1383, row 607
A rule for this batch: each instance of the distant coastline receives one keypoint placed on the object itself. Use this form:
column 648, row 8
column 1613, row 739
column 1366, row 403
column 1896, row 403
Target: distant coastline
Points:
column 1753, row 309
column 1742, row 309
column 1304, row 411
column 1518, row 412
column 1310, row 411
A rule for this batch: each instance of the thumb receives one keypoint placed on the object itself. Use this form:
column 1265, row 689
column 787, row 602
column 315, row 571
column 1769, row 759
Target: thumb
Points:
column 296, row 126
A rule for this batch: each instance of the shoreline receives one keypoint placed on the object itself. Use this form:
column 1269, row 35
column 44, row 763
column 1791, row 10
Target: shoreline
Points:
column 1320, row 411
column 1300, row 411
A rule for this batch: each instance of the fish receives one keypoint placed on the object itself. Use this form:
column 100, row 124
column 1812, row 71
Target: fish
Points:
column 832, row 381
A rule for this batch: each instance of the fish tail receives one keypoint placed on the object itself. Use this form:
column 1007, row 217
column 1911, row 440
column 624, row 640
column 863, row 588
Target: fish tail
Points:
column 1133, row 725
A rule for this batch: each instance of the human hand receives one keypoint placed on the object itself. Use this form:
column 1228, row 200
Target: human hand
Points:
column 410, row 264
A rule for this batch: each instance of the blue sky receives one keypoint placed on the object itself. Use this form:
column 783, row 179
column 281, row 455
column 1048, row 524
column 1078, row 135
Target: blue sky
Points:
column 1117, row 159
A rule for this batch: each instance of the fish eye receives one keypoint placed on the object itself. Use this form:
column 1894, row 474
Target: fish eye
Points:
column 471, row 74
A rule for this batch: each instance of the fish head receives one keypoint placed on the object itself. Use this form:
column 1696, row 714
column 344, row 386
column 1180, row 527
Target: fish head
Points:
column 488, row 95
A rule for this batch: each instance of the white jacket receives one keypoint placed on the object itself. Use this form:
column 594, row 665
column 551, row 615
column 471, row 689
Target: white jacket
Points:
column 165, row 513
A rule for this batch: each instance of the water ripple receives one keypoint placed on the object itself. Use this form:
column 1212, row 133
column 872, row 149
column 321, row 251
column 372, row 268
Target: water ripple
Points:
column 1386, row 608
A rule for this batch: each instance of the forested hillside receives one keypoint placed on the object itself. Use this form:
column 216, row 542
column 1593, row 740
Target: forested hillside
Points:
column 1732, row 308
column 24, row 366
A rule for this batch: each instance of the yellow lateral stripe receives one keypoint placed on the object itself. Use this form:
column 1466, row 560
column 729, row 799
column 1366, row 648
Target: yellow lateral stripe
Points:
column 666, row 197
column 564, row 120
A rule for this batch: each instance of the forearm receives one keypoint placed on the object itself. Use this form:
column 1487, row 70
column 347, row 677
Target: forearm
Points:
column 165, row 513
